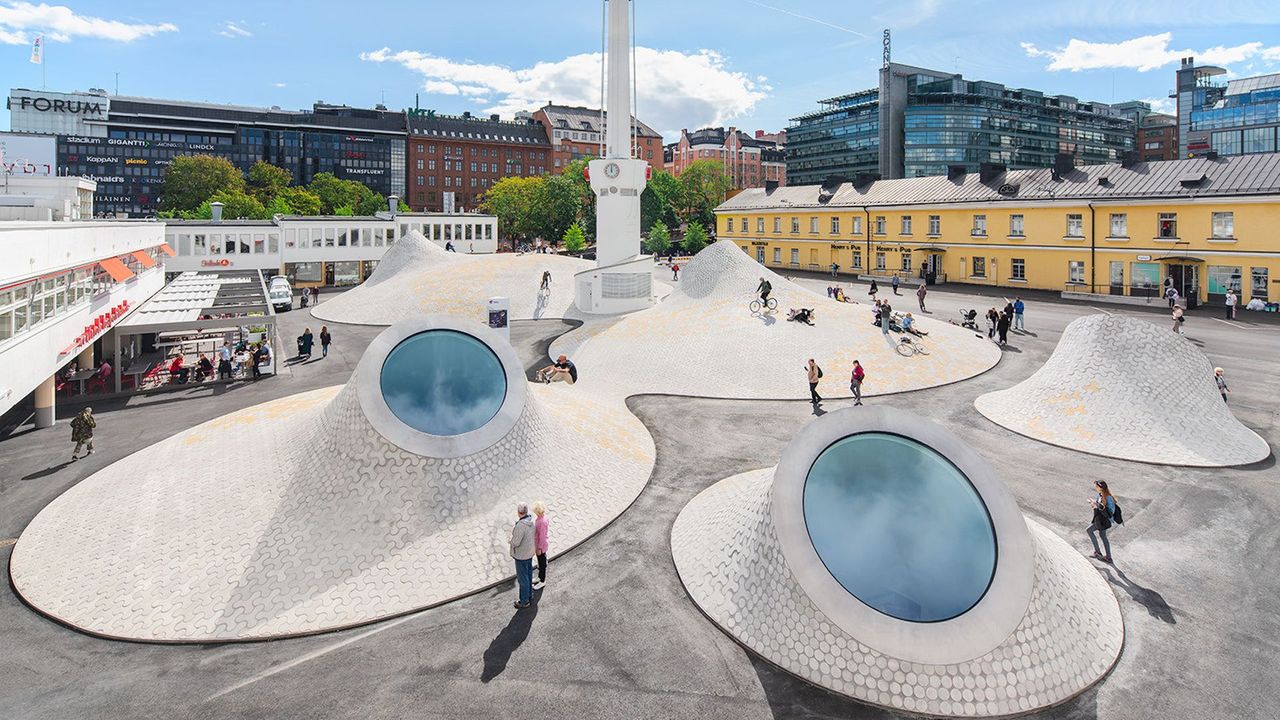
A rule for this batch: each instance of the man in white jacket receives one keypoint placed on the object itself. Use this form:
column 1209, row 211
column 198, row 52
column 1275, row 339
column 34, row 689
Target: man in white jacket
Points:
column 522, row 551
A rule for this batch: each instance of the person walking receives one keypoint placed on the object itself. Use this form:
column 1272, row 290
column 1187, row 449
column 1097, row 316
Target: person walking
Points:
column 895, row 282
column 873, row 289
column 1171, row 294
column 886, row 317
column 325, row 339
column 522, row 552
column 1222, row 383
column 305, row 341
column 855, row 382
column 920, row 293
column 1002, row 327
column 1177, row 319
column 1231, row 302
column 1104, row 509
column 315, row 295
column 675, row 271
column 1018, row 307
column 224, row 361
column 993, row 317
column 540, row 543
column 815, row 374
column 82, row 426
column 835, row 270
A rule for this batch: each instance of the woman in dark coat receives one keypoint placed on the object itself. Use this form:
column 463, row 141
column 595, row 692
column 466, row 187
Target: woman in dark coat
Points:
column 1002, row 327
column 305, row 341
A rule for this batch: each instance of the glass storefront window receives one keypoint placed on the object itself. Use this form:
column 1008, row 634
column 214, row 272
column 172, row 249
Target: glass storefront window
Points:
column 1258, row 286
column 307, row 272
column 1223, row 278
column 1144, row 275
column 346, row 273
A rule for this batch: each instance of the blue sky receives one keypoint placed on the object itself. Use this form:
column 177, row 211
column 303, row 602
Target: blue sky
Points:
column 743, row 62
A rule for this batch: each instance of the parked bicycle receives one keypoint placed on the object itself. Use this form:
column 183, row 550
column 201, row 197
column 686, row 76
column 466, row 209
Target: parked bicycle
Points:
column 908, row 347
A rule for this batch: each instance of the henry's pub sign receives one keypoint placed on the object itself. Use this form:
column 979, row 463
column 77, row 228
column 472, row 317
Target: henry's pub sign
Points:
column 40, row 104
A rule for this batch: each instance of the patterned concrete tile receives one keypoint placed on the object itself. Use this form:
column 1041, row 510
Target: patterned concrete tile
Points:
column 703, row 341
column 728, row 556
column 418, row 277
column 1126, row 388
column 296, row 517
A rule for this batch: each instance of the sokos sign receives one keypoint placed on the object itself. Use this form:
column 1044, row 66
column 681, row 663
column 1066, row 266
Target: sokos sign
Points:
column 73, row 107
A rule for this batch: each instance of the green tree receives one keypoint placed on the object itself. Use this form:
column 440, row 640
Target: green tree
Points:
column 557, row 206
column 695, row 238
column 659, row 240
column 659, row 199
column 238, row 205
column 703, row 186
column 335, row 193
column 278, row 206
column 574, row 239
column 192, row 179
column 300, row 201
column 584, row 198
column 343, row 211
column 266, row 181
column 513, row 200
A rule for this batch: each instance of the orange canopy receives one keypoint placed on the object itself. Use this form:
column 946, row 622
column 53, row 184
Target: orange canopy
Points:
column 146, row 260
column 167, row 249
column 116, row 269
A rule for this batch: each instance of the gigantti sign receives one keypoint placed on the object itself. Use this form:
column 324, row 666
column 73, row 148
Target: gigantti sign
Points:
column 91, row 108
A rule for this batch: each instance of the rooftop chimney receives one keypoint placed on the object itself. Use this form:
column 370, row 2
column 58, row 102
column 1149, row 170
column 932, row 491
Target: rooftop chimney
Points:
column 770, row 186
column 1064, row 163
column 955, row 172
column 216, row 208
column 990, row 171
column 393, row 204
column 864, row 179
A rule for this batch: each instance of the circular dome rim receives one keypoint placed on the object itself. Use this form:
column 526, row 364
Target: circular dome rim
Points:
column 979, row 630
column 986, row 515
column 368, row 379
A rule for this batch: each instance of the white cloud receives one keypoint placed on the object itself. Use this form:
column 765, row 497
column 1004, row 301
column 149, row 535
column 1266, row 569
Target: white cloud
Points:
column 907, row 14
column 675, row 89
column 1165, row 105
column 1148, row 52
column 280, row 84
column 1271, row 54
column 233, row 30
column 21, row 22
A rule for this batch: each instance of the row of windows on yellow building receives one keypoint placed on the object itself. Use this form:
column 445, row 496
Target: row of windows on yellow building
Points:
column 1118, row 249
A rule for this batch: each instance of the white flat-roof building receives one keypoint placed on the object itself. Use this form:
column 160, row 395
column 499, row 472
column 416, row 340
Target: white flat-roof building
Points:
column 46, row 198
column 314, row 251
column 63, row 286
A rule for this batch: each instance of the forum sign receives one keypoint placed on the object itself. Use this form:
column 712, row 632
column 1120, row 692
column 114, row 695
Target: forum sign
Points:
column 58, row 113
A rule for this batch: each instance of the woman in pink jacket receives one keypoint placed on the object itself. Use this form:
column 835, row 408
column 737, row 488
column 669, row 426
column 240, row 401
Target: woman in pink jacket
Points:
column 540, row 543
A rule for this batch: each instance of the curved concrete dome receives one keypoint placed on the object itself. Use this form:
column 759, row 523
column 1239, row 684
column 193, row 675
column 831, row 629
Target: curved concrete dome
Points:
column 1128, row 389
column 749, row 552
column 417, row 277
column 326, row 510
column 702, row 340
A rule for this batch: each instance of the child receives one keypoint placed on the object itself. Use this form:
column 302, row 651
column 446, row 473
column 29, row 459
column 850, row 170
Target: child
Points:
column 540, row 543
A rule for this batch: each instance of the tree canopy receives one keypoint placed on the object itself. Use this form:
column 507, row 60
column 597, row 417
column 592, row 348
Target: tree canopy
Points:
column 193, row 179
column 703, row 186
column 695, row 238
column 574, row 239
column 659, row 199
column 659, row 240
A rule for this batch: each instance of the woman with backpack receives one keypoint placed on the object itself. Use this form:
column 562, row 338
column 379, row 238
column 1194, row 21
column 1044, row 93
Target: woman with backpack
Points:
column 1105, row 511
column 814, row 374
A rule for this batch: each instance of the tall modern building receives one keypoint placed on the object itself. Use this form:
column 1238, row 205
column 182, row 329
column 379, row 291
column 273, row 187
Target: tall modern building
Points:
column 125, row 143
column 1240, row 117
column 922, row 122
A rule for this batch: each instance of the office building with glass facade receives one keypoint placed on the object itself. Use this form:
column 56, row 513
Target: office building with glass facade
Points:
column 126, row 143
column 1241, row 117
column 923, row 122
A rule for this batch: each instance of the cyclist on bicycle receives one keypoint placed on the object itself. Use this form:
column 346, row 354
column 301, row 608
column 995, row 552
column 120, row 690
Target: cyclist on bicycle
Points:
column 764, row 289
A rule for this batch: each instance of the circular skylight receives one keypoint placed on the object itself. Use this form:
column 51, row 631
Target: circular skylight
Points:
column 899, row 527
column 443, row 382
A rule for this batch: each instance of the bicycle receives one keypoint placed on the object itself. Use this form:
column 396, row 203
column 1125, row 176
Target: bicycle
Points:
column 756, row 305
column 908, row 347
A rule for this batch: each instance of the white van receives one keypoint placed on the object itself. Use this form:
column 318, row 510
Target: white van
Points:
column 280, row 293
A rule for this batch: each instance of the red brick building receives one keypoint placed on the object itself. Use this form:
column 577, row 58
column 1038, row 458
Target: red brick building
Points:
column 750, row 161
column 1157, row 138
column 452, row 160
column 576, row 133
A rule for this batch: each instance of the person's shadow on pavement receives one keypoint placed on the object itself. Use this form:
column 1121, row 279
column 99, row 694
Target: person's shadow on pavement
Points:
column 509, row 640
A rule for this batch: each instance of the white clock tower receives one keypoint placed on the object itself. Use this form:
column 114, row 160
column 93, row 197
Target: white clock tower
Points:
column 622, row 280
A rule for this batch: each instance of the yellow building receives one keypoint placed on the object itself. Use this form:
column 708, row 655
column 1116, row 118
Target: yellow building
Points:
column 1204, row 225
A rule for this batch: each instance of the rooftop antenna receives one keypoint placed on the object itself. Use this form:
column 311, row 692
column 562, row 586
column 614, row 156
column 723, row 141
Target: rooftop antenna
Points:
column 886, row 47
column 117, row 83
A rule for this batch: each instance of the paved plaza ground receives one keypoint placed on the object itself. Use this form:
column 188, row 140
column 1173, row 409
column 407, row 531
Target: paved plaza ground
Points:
column 615, row 636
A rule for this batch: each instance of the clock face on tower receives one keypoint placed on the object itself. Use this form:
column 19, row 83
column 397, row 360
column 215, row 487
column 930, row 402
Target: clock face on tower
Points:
column 612, row 170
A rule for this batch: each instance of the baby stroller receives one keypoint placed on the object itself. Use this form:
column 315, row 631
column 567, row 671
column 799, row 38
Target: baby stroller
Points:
column 306, row 296
column 969, row 319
